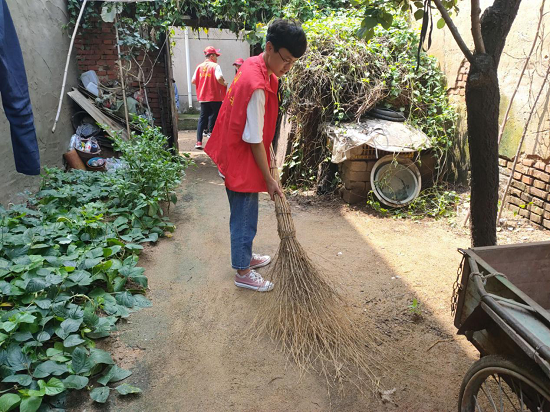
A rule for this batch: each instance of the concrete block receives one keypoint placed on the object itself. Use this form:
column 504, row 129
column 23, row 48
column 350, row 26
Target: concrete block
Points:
column 357, row 165
column 502, row 162
column 356, row 151
column 356, row 176
column 358, row 188
column 347, row 183
column 546, row 215
column 547, row 206
column 546, row 223
column 528, row 162
column 518, row 176
column 351, row 197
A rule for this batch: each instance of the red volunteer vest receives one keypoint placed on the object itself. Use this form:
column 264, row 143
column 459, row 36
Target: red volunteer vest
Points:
column 226, row 148
column 208, row 88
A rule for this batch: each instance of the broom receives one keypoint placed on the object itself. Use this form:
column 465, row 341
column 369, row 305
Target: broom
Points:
column 308, row 318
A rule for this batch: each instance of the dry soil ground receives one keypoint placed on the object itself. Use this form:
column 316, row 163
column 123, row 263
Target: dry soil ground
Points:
column 188, row 352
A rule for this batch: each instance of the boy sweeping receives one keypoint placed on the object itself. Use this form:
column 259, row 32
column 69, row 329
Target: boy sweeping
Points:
column 240, row 143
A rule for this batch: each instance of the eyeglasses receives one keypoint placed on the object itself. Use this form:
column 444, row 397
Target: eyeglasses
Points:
column 287, row 62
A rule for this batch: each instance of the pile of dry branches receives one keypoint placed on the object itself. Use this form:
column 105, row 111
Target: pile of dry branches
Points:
column 341, row 78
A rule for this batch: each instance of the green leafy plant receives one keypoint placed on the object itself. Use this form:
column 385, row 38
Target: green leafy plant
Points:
column 415, row 309
column 68, row 273
column 435, row 202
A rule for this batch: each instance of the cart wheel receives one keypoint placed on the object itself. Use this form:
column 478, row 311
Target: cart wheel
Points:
column 497, row 384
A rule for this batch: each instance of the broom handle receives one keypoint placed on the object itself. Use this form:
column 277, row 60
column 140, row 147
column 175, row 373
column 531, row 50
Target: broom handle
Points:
column 285, row 225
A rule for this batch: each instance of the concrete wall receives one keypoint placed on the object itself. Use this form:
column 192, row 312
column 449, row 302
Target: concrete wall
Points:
column 44, row 45
column 231, row 46
column 517, row 47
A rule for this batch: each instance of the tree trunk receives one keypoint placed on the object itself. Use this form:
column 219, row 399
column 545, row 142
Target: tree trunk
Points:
column 482, row 106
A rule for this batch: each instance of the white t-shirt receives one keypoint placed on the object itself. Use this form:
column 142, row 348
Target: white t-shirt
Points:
column 255, row 112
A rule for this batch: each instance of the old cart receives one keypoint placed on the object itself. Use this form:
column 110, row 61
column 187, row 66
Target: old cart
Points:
column 501, row 303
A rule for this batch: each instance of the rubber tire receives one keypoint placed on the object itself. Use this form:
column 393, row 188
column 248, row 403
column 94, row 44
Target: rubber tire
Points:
column 387, row 114
column 497, row 361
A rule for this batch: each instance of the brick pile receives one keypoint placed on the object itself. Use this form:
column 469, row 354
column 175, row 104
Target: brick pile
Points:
column 528, row 195
column 96, row 50
column 355, row 176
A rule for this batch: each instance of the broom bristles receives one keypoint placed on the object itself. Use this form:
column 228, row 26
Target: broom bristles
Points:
column 310, row 320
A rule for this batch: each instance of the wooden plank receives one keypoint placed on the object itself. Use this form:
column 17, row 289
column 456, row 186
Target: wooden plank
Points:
column 98, row 115
column 109, row 114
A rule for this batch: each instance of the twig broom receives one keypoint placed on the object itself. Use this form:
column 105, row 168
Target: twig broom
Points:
column 308, row 318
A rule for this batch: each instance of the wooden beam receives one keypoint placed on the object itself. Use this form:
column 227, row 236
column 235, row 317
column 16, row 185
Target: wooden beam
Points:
column 113, row 127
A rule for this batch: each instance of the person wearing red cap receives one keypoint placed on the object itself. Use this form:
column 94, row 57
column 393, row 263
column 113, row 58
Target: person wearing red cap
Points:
column 211, row 88
column 240, row 143
column 238, row 63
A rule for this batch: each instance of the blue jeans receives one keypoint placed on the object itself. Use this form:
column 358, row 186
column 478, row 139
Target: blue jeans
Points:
column 15, row 97
column 243, row 225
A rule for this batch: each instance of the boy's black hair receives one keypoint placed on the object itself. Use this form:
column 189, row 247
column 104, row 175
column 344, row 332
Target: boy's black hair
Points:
column 288, row 34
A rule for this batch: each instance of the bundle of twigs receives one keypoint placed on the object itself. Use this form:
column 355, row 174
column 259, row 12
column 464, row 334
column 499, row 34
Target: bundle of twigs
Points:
column 309, row 319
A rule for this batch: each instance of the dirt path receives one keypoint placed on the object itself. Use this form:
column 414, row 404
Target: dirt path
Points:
column 188, row 353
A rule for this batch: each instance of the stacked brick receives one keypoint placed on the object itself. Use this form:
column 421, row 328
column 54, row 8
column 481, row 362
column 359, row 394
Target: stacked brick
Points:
column 355, row 176
column 529, row 190
column 96, row 50
column 460, row 83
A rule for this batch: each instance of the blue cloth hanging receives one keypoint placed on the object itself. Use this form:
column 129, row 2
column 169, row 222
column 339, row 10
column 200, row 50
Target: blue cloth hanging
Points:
column 14, row 90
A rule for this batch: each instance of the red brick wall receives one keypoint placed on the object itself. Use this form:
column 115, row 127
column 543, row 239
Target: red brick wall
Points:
column 96, row 50
column 459, row 87
column 529, row 191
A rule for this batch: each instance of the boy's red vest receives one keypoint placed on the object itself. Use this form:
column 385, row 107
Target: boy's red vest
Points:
column 232, row 155
column 208, row 88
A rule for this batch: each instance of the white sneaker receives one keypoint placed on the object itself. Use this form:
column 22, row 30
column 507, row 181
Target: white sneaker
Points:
column 253, row 280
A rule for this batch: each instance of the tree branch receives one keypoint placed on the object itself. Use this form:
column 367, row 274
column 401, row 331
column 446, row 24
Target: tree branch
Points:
column 537, row 34
column 476, row 27
column 454, row 31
